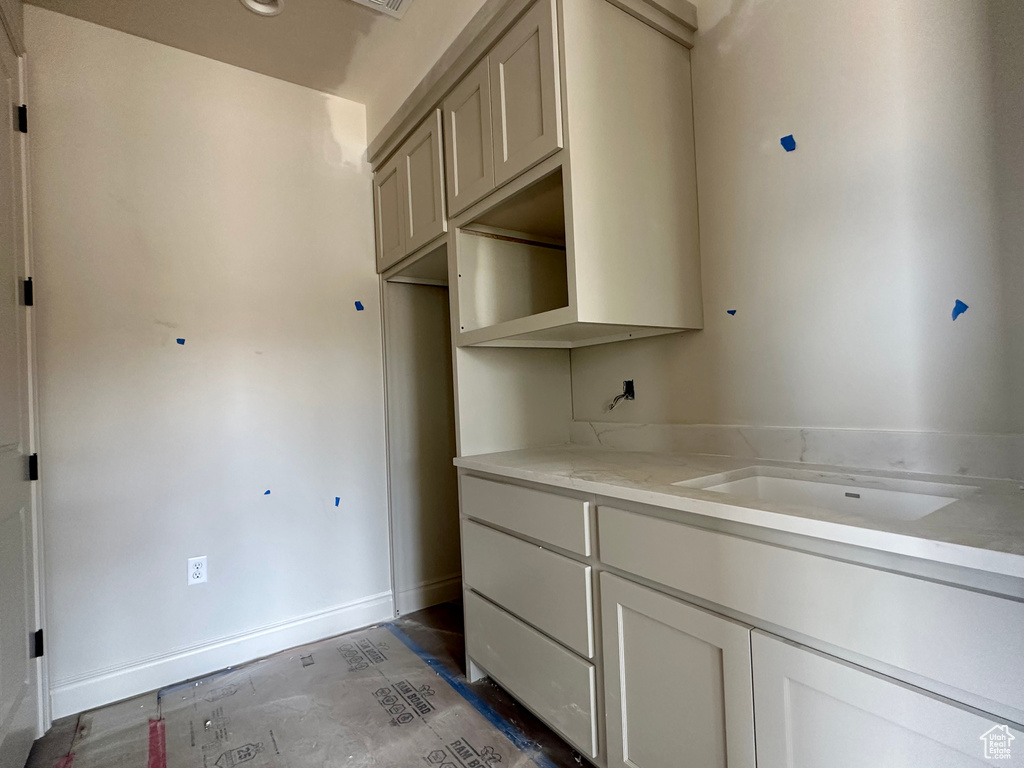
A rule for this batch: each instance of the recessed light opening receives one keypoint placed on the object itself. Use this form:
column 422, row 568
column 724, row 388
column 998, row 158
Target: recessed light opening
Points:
column 264, row 7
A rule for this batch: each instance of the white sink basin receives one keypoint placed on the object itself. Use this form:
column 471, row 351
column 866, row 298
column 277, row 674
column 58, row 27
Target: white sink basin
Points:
column 878, row 498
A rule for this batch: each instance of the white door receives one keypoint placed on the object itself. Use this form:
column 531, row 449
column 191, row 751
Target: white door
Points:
column 678, row 689
column 526, row 101
column 422, row 168
column 19, row 671
column 388, row 191
column 814, row 710
column 469, row 153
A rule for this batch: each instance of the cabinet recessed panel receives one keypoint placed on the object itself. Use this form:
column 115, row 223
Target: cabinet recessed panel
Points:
column 421, row 165
column 526, row 113
column 673, row 702
column 522, row 108
column 813, row 710
column 469, row 154
column 388, row 204
column 678, row 687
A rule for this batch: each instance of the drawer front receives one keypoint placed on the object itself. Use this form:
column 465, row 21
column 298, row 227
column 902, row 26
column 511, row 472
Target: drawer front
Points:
column 963, row 639
column 545, row 589
column 558, row 520
column 557, row 685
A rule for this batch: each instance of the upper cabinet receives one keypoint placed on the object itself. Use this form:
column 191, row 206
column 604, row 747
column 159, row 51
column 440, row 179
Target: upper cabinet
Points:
column 571, row 177
column 505, row 116
column 409, row 201
column 387, row 210
column 469, row 151
column 526, row 110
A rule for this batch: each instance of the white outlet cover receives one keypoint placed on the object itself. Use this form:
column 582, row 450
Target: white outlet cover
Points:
column 196, row 570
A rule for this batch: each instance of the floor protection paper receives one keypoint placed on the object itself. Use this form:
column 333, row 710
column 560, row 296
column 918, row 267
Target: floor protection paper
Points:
column 370, row 698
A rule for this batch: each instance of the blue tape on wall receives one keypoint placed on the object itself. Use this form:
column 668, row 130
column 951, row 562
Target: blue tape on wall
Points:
column 788, row 143
column 181, row 341
column 731, row 312
column 359, row 306
column 266, row 493
column 959, row 308
column 337, row 501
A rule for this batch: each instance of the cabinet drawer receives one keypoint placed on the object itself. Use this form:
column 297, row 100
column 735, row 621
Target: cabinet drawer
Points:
column 557, row 685
column 966, row 640
column 558, row 520
column 547, row 590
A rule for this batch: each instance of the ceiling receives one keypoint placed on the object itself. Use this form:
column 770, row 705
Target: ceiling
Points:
column 335, row 46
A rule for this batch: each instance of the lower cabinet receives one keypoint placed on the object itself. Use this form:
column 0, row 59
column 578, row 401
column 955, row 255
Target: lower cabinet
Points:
column 814, row 710
column 678, row 685
column 556, row 684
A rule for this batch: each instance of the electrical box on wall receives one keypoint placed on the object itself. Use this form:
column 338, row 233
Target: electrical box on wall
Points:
column 394, row 8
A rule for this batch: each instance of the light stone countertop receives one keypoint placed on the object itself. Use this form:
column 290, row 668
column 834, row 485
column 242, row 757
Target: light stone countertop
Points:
column 983, row 530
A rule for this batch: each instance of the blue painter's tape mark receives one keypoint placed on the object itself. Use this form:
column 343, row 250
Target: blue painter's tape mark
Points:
column 461, row 687
column 359, row 306
column 788, row 143
column 959, row 308
column 181, row 341
column 266, row 493
column 337, row 501
column 731, row 312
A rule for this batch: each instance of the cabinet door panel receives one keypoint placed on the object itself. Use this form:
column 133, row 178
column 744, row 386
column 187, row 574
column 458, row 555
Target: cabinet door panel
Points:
column 677, row 682
column 814, row 710
column 526, row 112
column 388, row 192
column 469, row 151
column 424, row 184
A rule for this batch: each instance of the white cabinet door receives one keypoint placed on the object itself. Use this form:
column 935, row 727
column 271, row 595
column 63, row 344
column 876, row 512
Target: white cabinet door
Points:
column 814, row 710
column 678, row 689
column 423, row 184
column 388, row 191
column 526, row 110
column 469, row 150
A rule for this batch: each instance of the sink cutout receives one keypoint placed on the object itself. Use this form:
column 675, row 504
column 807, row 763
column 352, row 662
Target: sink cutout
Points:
column 872, row 497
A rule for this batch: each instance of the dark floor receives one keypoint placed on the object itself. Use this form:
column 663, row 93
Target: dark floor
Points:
column 439, row 631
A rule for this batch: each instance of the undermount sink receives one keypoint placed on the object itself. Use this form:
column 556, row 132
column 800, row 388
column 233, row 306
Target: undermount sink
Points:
column 873, row 497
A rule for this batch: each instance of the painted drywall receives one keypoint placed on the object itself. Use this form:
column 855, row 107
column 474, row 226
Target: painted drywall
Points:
column 335, row 46
column 175, row 197
column 421, row 446
column 843, row 259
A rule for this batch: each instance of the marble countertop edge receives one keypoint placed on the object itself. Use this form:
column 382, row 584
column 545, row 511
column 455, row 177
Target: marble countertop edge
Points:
column 990, row 550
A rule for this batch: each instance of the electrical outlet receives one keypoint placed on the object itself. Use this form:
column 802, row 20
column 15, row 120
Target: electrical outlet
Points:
column 196, row 570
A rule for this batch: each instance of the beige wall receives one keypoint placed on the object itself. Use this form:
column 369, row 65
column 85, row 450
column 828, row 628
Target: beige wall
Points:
column 844, row 258
column 174, row 196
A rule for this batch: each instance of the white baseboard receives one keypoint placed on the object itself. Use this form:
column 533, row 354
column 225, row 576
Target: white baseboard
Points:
column 428, row 593
column 84, row 692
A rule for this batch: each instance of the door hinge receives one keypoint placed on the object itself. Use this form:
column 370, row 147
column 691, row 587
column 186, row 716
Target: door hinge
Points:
column 33, row 467
column 35, row 641
column 23, row 118
column 29, row 295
